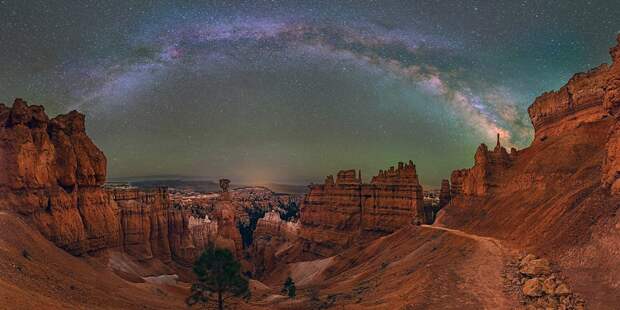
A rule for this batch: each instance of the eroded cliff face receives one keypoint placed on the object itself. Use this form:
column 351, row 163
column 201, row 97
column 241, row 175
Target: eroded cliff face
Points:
column 560, row 196
column 228, row 233
column 52, row 174
column 144, row 223
column 587, row 97
column 336, row 212
column 273, row 239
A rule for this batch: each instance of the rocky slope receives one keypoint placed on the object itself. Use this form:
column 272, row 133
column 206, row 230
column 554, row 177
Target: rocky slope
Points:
column 35, row 274
column 559, row 197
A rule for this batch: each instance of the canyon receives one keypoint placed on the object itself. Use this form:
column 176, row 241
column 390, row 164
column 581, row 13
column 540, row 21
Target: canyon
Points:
column 352, row 245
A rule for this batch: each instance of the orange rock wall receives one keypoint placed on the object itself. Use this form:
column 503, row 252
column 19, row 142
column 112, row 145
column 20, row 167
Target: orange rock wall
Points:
column 144, row 223
column 51, row 172
column 273, row 238
column 585, row 99
column 332, row 213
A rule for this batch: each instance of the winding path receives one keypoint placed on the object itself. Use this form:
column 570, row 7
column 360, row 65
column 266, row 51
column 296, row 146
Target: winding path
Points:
column 482, row 273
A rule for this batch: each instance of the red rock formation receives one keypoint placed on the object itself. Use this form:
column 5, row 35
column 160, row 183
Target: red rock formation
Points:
column 587, row 97
column 144, row 223
column 188, row 235
column 332, row 213
column 228, row 234
column 273, row 237
column 485, row 174
column 52, row 173
column 611, row 165
column 393, row 199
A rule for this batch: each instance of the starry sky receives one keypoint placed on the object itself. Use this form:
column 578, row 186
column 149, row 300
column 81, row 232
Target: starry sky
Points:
column 290, row 91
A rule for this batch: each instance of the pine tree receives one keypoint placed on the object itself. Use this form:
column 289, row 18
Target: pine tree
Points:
column 219, row 278
column 289, row 287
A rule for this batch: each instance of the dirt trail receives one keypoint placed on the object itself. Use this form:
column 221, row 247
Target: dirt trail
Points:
column 482, row 273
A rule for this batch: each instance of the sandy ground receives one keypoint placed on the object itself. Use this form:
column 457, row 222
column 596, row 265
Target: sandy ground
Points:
column 483, row 272
column 35, row 274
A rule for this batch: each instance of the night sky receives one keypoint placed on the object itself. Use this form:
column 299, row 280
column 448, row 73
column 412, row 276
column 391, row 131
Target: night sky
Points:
column 288, row 91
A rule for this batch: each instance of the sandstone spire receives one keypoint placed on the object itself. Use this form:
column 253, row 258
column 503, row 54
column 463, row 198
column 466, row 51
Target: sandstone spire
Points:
column 498, row 146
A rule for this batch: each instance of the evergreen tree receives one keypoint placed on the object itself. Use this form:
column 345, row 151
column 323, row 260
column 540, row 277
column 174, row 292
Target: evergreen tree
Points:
column 219, row 278
column 289, row 287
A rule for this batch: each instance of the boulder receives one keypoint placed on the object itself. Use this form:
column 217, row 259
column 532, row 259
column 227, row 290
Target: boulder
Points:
column 533, row 287
column 549, row 286
column 562, row 289
column 536, row 267
column 526, row 259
